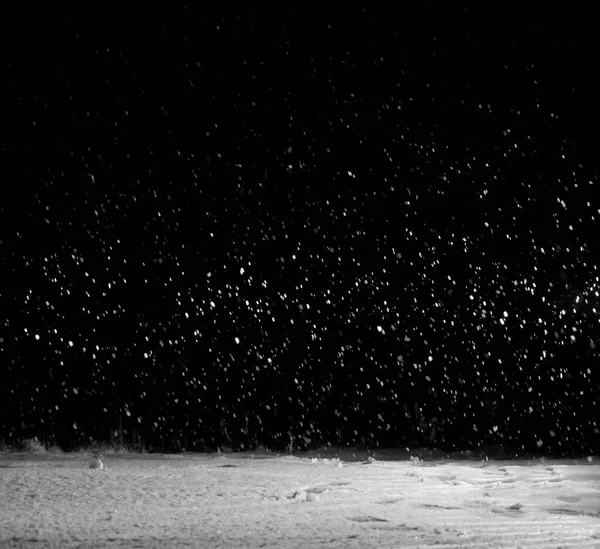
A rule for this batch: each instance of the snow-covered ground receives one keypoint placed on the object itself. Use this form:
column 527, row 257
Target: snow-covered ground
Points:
column 309, row 500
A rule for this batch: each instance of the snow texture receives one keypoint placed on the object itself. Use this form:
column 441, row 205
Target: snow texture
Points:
column 328, row 499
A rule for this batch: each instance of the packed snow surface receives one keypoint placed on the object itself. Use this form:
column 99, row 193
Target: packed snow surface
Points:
column 330, row 499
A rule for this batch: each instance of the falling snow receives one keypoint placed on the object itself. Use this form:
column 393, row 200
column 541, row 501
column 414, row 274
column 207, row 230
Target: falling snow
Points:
column 342, row 240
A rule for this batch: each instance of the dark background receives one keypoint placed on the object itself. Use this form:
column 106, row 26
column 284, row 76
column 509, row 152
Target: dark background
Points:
column 233, row 226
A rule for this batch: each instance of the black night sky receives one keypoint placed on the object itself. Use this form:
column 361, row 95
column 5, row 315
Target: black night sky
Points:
column 233, row 226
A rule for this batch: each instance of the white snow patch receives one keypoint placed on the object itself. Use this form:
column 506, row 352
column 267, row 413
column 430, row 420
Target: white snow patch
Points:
column 379, row 499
